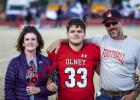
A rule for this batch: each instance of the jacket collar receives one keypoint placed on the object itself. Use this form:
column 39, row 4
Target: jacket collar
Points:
column 24, row 61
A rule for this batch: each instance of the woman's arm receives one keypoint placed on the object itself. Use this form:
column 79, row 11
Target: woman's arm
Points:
column 55, row 45
column 10, row 82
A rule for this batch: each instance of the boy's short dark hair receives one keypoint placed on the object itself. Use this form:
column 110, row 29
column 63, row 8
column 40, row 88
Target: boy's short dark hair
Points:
column 77, row 22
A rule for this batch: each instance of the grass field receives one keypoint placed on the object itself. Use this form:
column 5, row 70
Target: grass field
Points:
column 8, row 39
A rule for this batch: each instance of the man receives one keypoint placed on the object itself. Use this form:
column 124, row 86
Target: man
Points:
column 119, row 58
column 75, row 63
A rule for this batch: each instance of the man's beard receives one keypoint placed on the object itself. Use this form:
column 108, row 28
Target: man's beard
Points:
column 113, row 35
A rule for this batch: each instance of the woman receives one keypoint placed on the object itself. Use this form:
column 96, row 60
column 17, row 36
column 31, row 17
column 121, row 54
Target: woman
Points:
column 26, row 76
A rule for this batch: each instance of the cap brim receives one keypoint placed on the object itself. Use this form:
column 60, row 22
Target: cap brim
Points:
column 111, row 18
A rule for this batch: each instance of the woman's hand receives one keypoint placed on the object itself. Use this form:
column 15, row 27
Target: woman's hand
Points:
column 32, row 90
column 51, row 86
column 54, row 46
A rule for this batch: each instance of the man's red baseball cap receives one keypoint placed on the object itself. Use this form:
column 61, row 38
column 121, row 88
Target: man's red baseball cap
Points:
column 111, row 14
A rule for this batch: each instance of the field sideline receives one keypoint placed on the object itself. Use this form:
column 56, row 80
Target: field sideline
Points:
column 8, row 38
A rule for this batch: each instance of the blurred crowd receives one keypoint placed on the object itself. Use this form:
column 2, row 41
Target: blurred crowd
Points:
column 38, row 12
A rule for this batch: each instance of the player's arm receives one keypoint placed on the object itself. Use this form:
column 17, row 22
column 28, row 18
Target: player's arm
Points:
column 52, row 83
column 97, row 69
column 54, row 46
column 98, row 63
column 51, row 86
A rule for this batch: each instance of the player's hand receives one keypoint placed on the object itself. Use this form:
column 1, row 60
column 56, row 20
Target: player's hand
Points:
column 130, row 96
column 32, row 90
column 136, row 78
column 54, row 46
column 51, row 86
